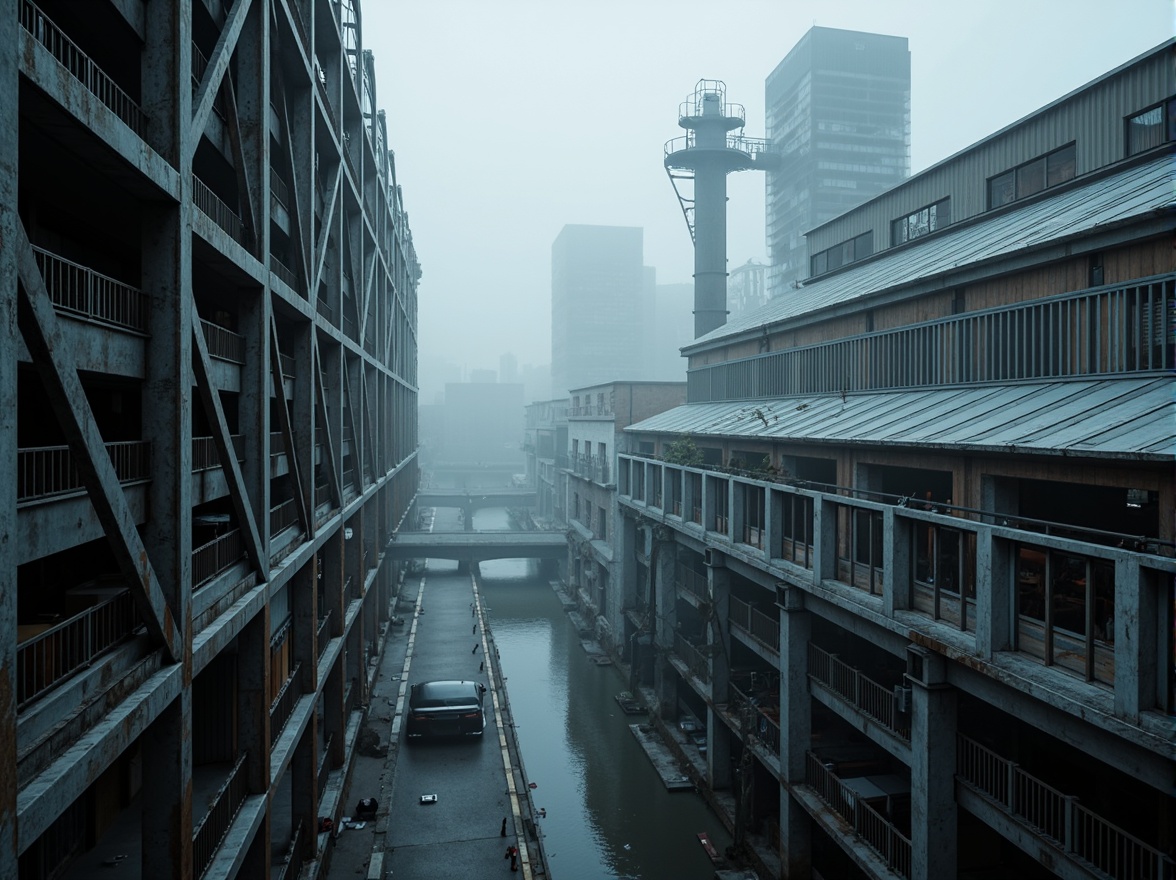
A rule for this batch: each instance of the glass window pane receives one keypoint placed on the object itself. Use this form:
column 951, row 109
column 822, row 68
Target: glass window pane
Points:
column 1061, row 166
column 1145, row 131
column 1031, row 178
column 1001, row 190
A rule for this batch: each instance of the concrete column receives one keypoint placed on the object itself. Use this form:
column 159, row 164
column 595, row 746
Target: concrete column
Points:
column 824, row 540
column 253, row 410
column 9, row 339
column 304, row 790
column 796, row 729
column 933, row 760
column 167, row 792
column 303, row 592
column 1138, row 612
column 994, row 594
column 897, row 571
column 665, row 620
column 718, row 735
column 253, row 701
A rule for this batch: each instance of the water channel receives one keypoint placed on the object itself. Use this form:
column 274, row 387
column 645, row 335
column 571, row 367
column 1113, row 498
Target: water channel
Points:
column 607, row 812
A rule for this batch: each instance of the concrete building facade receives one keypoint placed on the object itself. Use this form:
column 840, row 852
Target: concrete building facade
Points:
column 596, row 420
column 208, row 412
column 909, row 549
column 545, row 446
column 838, row 117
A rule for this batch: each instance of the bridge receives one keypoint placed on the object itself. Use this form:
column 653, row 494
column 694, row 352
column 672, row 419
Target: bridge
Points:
column 478, row 546
column 475, row 499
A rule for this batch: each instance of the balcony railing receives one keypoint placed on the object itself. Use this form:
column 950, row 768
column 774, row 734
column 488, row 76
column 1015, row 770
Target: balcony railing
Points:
column 696, row 661
column 223, row 343
column 55, row 654
column 46, row 471
column 764, row 720
column 324, row 768
column 289, row 366
column 290, row 863
column 873, row 699
column 216, row 822
column 216, row 210
column 205, row 456
column 283, row 704
column 870, row 825
column 80, row 66
column 283, row 272
column 214, row 557
column 691, row 581
column 79, row 290
column 763, row 629
column 324, row 633
column 283, row 517
column 1058, row 817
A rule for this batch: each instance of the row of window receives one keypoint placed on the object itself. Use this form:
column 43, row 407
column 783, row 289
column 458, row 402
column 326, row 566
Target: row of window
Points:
column 1145, row 131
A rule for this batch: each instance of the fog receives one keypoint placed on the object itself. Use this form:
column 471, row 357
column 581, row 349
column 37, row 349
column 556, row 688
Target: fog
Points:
column 512, row 118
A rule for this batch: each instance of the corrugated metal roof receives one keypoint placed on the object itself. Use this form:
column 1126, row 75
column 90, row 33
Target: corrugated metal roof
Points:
column 1102, row 418
column 1132, row 193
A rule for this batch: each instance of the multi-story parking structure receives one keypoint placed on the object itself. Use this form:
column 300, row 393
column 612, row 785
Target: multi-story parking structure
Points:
column 208, row 417
column 924, row 606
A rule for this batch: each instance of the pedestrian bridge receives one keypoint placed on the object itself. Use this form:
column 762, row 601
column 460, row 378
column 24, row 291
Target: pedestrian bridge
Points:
column 470, row 500
column 478, row 546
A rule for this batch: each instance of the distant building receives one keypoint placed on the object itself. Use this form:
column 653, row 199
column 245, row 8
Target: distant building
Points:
column 483, row 423
column 596, row 420
column 838, row 113
column 669, row 326
column 597, row 284
column 545, row 446
column 482, row 377
column 747, row 289
column 508, row 367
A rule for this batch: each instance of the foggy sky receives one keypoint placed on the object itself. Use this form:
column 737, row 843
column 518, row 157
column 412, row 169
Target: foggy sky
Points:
column 511, row 118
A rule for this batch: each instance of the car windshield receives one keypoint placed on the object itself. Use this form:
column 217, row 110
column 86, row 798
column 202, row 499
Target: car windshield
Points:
column 435, row 694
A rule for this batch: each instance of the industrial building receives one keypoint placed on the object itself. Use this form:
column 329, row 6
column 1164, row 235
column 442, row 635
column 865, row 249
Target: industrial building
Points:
column 906, row 554
column 839, row 119
column 208, row 395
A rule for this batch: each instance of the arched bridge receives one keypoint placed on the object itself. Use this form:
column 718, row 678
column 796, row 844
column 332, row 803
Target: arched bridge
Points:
column 479, row 546
column 470, row 500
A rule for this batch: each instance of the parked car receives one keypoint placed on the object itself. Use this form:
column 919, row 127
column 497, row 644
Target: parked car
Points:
column 445, row 708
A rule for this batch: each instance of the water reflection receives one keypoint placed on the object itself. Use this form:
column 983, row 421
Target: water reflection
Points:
column 608, row 814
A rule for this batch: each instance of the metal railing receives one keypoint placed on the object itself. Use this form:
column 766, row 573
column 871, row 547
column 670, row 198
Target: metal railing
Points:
column 283, row 704
column 696, row 661
column 873, row 699
column 283, row 517
column 289, row 366
column 212, row 829
column 1058, row 817
column 324, row 632
column 290, row 864
column 80, row 66
column 870, row 825
column 223, row 343
column 691, row 581
column 217, row 211
column 79, row 290
column 205, row 456
column 51, row 656
column 1094, row 332
column 763, row 726
column 283, row 272
column 212, row 558
column 324, row 767
column 763, row 629
column 46, row 471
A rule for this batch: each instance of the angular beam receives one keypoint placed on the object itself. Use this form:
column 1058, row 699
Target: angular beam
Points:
column 218, row 65
column 287, row 430
column 202, row 368
column 53, row 357
column 325, row 424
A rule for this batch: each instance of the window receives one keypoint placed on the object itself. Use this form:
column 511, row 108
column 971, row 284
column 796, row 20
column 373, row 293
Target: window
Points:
column 849, row 251
column 1150, row 128
column 922, row 222
column 1033, row 176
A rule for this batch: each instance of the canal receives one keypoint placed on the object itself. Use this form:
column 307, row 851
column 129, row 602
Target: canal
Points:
column 607, row 812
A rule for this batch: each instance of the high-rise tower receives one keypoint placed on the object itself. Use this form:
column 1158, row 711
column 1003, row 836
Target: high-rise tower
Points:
column 705, row 156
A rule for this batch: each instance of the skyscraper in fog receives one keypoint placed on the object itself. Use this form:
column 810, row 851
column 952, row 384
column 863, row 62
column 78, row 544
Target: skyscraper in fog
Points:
column 597, row 293
column 839, row 114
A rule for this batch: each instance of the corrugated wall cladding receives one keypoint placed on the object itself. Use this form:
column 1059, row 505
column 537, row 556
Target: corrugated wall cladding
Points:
column 1093, row 118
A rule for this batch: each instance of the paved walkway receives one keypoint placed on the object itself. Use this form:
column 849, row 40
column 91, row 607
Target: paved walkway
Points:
column 479, row 784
